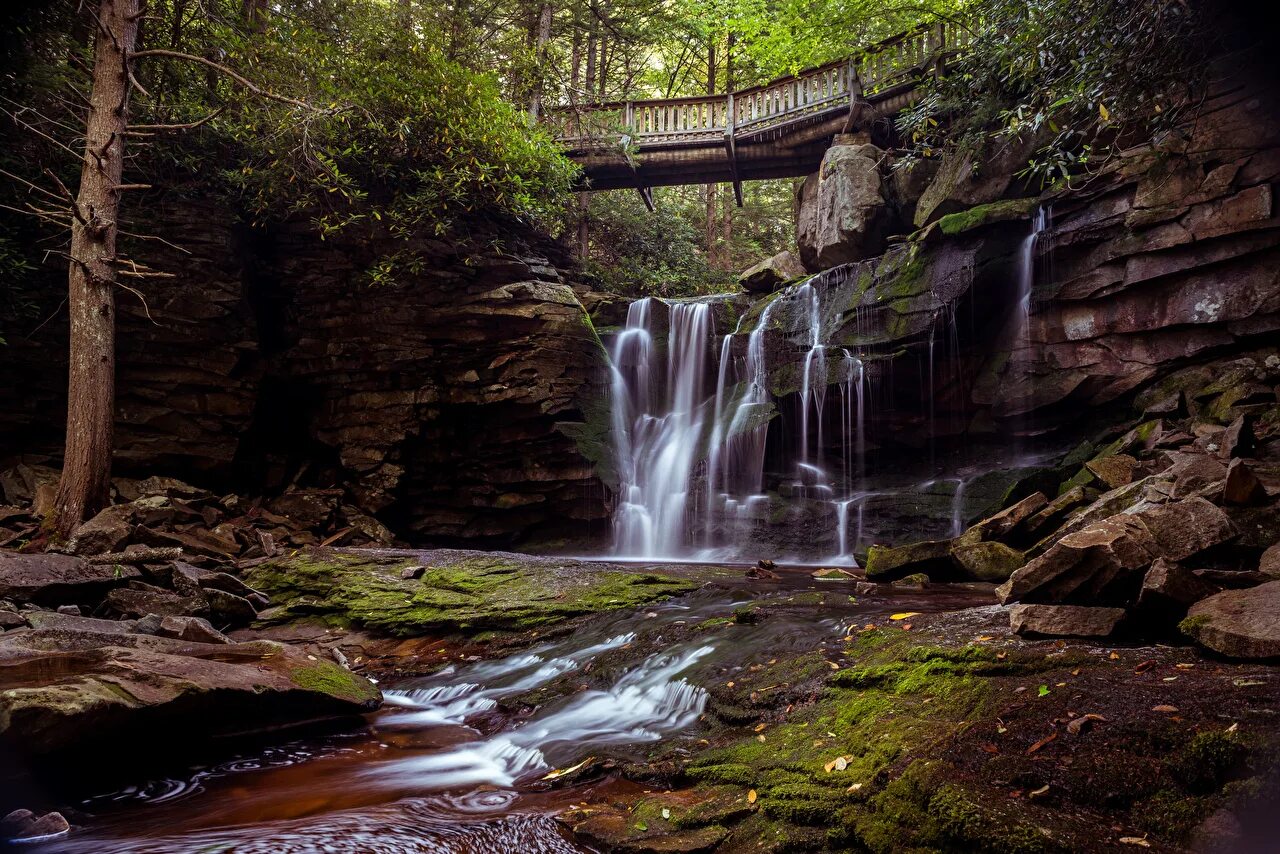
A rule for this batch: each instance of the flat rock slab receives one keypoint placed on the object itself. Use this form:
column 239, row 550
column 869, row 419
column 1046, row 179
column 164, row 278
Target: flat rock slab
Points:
column 57, row 579
column 1064, row 620
column 459, row 590
column 70, row 687
column 1238, row 623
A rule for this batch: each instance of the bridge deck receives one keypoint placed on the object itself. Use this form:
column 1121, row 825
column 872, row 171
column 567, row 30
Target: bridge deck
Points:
column 777, row 130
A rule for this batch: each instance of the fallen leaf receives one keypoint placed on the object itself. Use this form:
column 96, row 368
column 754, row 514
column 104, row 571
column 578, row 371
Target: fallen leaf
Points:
column 1043, row 691
column 838, row 764
column 1115, row 656
column 561, row 772
column 1182, row 665
column 1170, row 679
column 904, row 615
column 1168, row 710
column 906, row 627
column 1135, row 840
column 833, row 665
column 1043, row 790
column 1233, row 727
column 1145, row 666
column 666, row 812
column 641, row 826
column 1247, row 683
column 1001, row 656
column 1075, row 672
column 1079, row 724
column 751, row 796
column 1041, row 743
column 983, row 638
column 760, row 738
column 853, row 787
column 990, row 748
column 760, row 727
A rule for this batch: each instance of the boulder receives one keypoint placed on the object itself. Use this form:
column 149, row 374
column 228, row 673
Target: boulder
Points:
column 1083, row 564
column 1238, row 623
column 193, row 629
column 229, row 608
column 1064, row 620
column 133, row 602
column 1238, row 439
column 1242, row 486
column 1114, row 470
column 76, row 690
column 769, row 274
column 105, row 532
column 1000, row 525
column 25, row 826
column 886, row 563
column 1269, row 564
column 1196, row 473
column 1184, row 528
column 1169, row 589
column 842, row 214
column 54, row 579
column 1052, row 514
column 987, row 561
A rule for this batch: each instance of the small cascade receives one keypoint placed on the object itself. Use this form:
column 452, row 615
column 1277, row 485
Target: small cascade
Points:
column 1023, row 358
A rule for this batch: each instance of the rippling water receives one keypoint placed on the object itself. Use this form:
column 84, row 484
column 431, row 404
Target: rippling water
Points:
column 446, row 765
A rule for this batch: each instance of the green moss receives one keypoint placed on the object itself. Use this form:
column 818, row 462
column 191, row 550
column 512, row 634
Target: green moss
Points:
column 1172, row 815
column 1191, row 625
column 1206, row 762
column 981, row 215
column 327, row 677
column 465, row 592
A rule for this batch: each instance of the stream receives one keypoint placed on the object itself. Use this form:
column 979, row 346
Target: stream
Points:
column 458, row 761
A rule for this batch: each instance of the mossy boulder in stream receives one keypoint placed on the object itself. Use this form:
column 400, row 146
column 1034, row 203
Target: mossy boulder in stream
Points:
column 412, row 592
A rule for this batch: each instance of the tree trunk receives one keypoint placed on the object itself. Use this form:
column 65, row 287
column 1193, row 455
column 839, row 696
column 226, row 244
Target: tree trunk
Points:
column 86, row 467
column 589, row 86
column 541, row 39
column 710, row 231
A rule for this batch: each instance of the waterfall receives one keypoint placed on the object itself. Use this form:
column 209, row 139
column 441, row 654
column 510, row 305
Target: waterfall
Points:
column 1027, row 281
column 657, row 431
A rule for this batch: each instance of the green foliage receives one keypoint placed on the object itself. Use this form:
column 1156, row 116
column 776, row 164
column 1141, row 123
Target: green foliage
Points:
column 1079, row 79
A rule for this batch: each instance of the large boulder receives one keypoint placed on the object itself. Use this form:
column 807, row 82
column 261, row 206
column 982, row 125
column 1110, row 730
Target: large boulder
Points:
column 1238, row 623
column 769, row 274
column 75, row 689
column 1082, row 564
column 886, row 563
column 843, row 215
column 987, row 561
column 1184, row 528
column 1064, row 620
column 1169, row 589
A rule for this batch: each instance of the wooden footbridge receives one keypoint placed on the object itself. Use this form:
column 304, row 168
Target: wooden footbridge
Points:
column 778, row 130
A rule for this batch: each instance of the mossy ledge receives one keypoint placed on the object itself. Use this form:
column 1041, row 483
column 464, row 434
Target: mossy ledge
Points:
column 455, row 591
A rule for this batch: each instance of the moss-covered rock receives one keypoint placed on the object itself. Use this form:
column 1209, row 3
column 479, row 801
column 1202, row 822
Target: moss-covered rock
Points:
column 457, row 591
column 987, row 561
column 888, row 562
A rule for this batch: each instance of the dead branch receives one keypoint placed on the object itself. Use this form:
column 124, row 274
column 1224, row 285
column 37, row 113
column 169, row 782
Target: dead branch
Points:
column 222, row 69
column 181, row 126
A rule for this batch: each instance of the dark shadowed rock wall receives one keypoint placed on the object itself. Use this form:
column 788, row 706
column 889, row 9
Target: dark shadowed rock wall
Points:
column 442, row 402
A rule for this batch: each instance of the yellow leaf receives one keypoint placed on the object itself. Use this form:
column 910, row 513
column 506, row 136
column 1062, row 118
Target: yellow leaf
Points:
column 904, row 615
column 1104, row 112
column 1135, row 840
column 751, row 796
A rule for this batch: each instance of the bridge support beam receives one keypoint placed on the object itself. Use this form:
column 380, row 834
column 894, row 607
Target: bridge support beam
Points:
column 731, row 150
column 646, row 194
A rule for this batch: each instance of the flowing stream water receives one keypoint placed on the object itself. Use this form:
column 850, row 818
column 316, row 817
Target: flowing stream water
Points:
column 458, row 761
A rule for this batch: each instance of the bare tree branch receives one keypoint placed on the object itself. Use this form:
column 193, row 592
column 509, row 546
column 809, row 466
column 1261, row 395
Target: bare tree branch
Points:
column 222, row 69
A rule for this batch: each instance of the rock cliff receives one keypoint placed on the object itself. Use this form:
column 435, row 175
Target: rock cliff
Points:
column 442, row 401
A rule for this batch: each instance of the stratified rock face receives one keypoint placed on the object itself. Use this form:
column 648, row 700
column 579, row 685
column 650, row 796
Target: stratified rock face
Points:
column 442, row 401
column 843, row 215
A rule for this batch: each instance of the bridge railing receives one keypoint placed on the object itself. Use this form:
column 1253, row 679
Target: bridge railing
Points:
column 872, row 72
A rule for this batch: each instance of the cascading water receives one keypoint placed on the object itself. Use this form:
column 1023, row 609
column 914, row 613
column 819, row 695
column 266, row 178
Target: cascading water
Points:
column 657, row 430
column 668, row 430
